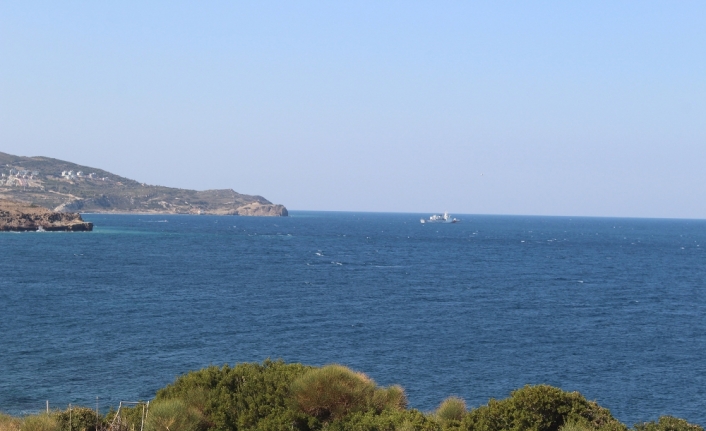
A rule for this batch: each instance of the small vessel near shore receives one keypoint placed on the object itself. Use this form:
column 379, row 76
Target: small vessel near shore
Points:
column 436, row 218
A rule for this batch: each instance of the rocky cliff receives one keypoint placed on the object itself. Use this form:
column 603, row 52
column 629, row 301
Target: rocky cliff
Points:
column 21, row 217
column 257, row 209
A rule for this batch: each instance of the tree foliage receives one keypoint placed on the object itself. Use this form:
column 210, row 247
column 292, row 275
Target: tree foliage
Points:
column 668, row 423
column 387, row 420
column 247, row 396
column 540, row 408
column 78, row 419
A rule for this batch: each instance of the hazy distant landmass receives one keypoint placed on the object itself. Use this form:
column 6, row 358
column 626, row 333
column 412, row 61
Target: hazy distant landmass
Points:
column 68, row 187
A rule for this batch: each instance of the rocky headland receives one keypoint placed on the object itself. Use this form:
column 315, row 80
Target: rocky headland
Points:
column 68, row 187
column 22, row 217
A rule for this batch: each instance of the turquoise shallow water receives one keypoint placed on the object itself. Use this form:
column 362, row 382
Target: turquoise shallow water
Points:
column 613, row 308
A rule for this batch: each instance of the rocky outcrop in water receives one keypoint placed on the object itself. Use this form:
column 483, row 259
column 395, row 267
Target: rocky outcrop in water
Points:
column 23, row 217
column 257, row 209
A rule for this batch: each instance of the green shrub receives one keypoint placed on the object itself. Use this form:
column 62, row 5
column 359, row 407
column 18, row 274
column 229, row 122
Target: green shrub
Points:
column 451, row 412
column 78, row 419
column 540, row 408
column 244, row 397
column 331, row 392
column 668, row 423
column 173, row 415
column 575, row 425
column 334, row 391
column 41, row 422
column 390, row 398
column 387, row 420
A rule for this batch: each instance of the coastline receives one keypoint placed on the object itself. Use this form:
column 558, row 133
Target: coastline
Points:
column 21, row 217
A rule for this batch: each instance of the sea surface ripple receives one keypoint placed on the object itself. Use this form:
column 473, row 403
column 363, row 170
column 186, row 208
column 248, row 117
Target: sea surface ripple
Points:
column 613, row 308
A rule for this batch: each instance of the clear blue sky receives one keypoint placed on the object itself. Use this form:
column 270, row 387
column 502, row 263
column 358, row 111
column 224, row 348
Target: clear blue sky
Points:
column 497, row 107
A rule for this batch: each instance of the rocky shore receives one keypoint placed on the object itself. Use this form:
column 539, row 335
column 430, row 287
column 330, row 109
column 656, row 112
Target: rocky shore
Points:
column 24, row 217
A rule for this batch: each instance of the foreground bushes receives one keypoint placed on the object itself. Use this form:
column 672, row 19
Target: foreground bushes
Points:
column 78, row 419
column 541, row 408
column 9, row 423
column 275, row 396
column 451, row 411
column 333, row 392
column 174, row 415
column 45, row 422
column 247, row 396
column 668, row 423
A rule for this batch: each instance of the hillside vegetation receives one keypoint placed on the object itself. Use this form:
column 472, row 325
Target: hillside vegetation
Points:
column 68, row 187
column 275, row 396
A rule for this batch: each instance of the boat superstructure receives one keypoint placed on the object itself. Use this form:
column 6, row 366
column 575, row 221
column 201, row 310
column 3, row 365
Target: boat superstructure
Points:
column 436, row 218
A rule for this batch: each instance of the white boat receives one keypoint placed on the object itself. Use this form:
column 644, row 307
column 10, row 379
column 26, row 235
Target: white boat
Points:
column 446, row 218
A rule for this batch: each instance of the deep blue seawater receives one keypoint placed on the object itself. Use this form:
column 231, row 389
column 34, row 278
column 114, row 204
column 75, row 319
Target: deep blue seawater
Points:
column 613, row 308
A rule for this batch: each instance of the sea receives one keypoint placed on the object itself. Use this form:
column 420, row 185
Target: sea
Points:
column 614, row 308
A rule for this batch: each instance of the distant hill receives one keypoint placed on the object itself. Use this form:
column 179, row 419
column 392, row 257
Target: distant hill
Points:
column 68, row 187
